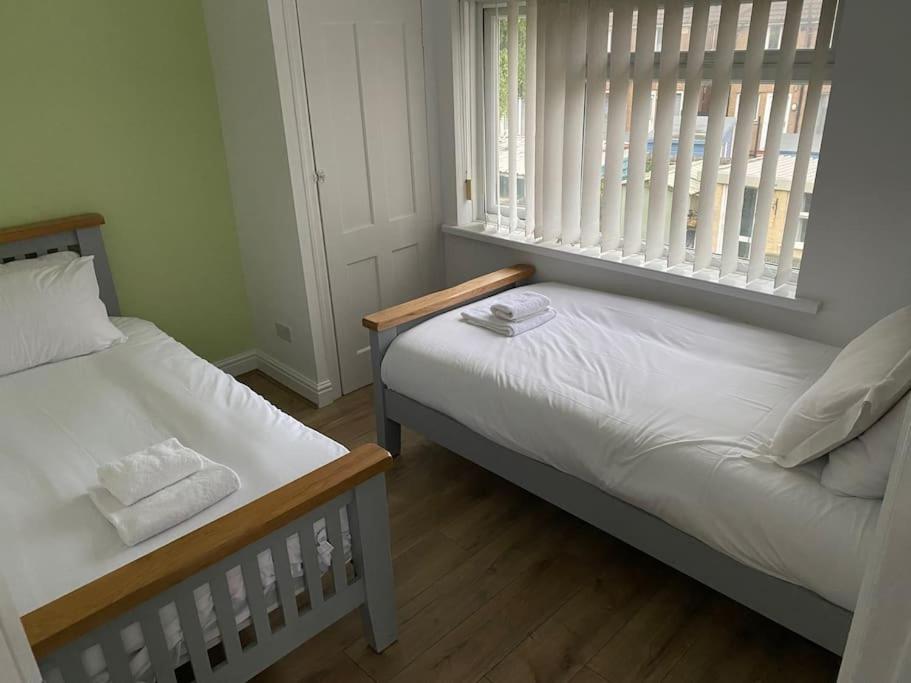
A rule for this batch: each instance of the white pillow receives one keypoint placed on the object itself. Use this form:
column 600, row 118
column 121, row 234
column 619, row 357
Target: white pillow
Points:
column 51, row 311
column 864, row 381
column 861, row 467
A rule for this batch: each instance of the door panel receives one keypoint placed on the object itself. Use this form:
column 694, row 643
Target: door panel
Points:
column 365, row 84
column 392, row 108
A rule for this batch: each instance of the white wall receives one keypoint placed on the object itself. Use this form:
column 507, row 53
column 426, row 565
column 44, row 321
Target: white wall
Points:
column 859, row 238
column 243, row 57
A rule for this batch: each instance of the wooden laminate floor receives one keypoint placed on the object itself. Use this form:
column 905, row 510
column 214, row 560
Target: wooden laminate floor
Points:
column 494, row 585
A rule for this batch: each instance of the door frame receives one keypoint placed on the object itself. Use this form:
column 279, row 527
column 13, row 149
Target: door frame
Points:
column 292, row 86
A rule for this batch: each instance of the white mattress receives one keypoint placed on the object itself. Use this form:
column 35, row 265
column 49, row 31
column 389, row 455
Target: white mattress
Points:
column 60, row 421
column 656, row 405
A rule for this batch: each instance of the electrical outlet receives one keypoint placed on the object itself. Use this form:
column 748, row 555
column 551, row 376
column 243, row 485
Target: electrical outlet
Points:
column 283, row 332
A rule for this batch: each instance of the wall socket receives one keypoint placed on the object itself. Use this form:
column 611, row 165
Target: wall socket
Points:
column 283, row 332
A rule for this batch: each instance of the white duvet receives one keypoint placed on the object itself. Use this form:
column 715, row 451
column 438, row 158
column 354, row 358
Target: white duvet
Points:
column 60, row 421
column 656, row 405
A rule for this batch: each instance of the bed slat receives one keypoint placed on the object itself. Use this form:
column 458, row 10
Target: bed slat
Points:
column 193, row 636
column 38, row 247
column 224, row 613
column 114, row 655
column 311, row 562
column 282, row 564
column 256, row 599
column 157, row 647
column 334, row 533
column 70, row 663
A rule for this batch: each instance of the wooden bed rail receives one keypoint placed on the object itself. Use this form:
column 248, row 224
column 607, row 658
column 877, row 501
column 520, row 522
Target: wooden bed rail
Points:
column 17, row 233
column 90, row 606
column 447, row 298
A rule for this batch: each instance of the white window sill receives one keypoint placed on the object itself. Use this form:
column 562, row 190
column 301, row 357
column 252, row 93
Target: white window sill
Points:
column 733, row 285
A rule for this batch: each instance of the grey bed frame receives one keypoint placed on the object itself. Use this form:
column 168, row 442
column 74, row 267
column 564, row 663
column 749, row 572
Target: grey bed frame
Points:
column 792, row 606
column 305, row 607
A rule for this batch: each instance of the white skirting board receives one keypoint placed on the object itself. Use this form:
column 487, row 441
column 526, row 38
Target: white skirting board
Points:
column 239, row 363
column 321, row 393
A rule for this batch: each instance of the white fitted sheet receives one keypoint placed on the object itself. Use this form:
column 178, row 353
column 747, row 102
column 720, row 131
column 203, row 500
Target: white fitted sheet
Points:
column 60, row 421
column 656, row 405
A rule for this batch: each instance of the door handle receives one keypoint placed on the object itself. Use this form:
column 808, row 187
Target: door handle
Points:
column 320, row 175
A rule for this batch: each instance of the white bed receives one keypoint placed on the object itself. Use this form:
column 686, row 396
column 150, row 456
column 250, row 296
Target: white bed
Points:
column 53, row 440
column 657, row 406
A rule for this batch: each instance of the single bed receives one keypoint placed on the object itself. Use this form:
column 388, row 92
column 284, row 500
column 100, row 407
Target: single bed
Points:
column 303, row 542
column 636, row 416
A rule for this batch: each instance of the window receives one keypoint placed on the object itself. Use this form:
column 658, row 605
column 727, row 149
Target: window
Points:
column 773, row 37
column 777, row 13
column 804, row 218
column 724, row 114
column 498, row 35
column 746, row 222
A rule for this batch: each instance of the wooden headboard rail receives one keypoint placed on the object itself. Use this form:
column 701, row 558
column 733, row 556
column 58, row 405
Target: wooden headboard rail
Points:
column 436, row 302
column 18, row 233
column 81, row 233
column 75, row 614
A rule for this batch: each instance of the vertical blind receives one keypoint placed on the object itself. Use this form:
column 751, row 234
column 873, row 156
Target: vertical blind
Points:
column 644, row 137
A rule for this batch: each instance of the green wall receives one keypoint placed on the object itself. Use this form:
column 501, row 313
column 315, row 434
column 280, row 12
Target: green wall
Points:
column 109, row 106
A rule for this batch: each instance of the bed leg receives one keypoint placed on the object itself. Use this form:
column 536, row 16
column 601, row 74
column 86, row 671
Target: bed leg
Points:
column 373, row 561
column 388, row 433
column 389, row 436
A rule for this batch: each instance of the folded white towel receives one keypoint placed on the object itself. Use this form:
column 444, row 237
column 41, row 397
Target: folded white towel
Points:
column 143, row 473
column 482, row 317
column 169, row 506
column 518, row 304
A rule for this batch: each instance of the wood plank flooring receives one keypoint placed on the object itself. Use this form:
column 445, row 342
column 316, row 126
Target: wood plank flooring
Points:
column 494, row 585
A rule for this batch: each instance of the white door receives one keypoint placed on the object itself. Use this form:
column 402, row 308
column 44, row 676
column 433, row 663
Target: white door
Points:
column 364, row 67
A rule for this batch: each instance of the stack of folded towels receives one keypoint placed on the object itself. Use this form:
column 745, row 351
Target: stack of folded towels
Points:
column 511, row 313
column 159, row 487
